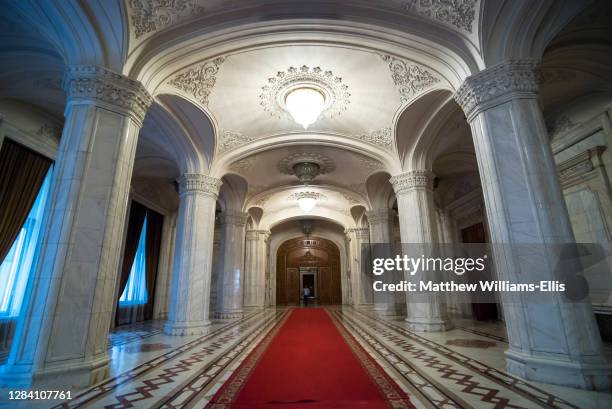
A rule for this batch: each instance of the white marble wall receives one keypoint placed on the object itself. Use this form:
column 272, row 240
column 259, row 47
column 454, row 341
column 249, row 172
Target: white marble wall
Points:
column 191, row 277
column 361, row 290
column 550, row 341
column 62, row 337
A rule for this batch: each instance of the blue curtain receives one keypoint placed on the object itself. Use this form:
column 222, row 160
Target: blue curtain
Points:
column 21, row 258
column 135, row 292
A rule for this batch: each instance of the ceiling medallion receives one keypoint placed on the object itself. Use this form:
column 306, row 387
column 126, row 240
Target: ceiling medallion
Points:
column 287, row 164
column 285, row 92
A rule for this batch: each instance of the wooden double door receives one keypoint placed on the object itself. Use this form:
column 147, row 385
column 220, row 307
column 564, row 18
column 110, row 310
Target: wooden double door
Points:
column 302, row 261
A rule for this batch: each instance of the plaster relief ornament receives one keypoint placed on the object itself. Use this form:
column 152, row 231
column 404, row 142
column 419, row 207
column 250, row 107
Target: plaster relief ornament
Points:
column 381, row 137
column 457, row 13
column 243, row 166
column 199, row 80
column 305, row 94
column 148, row 16
column 287, row 164
column 410, row 79
column 229, row 140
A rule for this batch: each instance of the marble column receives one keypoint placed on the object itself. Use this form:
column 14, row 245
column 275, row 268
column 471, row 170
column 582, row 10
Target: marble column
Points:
column 255, row 269
column 189, row 298
column 230, row 280
column 361, row 284
column 381, row 231
column 417, row 215
column 552, row 341
column 61, row 339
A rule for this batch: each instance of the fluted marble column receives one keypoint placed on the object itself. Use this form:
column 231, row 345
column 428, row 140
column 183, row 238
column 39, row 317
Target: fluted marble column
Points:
column 551, row 341
column 190, row 293
column 381, row 231
column 255, row 269
column 61, row 340
column 361, row 284
column 415, row 206
column 230, row 280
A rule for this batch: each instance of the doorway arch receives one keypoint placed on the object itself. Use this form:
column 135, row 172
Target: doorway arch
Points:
column 311, row 261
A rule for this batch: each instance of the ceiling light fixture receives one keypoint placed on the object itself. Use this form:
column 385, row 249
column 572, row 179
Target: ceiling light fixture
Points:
column 307, row 203
column 305, row 104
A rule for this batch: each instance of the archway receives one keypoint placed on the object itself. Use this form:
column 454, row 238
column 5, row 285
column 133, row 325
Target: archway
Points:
column 308, row 261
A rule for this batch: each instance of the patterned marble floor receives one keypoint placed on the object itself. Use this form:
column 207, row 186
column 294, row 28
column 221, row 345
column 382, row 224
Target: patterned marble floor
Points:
column 462, row 368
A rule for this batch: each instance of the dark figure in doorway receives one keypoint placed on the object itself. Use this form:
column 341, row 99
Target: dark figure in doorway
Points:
column 306, row 295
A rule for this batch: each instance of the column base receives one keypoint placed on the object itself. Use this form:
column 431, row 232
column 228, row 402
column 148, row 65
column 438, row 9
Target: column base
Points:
column 226, row 315
column 77, row 375
column 387, row 310
column 581, row 375
column 428, row 324
column 186, row 328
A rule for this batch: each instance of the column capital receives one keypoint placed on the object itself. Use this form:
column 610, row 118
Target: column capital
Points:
column 413, row 179
column 498, row 84
column 199, row 183
column 233, row 217
column 256, row 234
column 107, row 89
column 378, row 216
column 359, row 232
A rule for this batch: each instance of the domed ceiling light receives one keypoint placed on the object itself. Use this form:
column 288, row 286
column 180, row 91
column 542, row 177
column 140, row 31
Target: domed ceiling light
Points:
column 307, row 203
column 305, row 104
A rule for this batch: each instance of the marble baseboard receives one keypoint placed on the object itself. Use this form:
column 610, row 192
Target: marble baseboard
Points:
column 226, row 315
column 428, row 325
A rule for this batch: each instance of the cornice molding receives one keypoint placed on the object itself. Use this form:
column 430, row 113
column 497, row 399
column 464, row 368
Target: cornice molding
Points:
column 107, row 89
column 199, row 184
column 414, row 179
column 496, row 85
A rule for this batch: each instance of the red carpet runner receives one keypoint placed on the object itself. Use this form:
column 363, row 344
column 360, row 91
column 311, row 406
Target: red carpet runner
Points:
column 309, row 364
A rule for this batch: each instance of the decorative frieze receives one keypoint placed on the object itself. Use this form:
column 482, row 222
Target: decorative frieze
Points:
column 361, row 233
column 458, row 13
column 107, row 89
column 306, row 194
column 254, row 235
column 198, row 183
column 410, row 79
column 496, row 85
column 148, row 16
column 579, row 168
column 200, row 80
column 414, row 179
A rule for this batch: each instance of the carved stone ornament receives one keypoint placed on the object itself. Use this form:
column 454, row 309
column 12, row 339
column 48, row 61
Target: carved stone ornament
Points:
column 286, row 165
column 349, row 198
column 148, row 16
column 337, row 95
column 199, row 81
column 311, row 195
column 381, row 137
column 414, row 179
column 108, row 89
column 409, row 79
column 229, row 140
column 233, row 217
column 198, row 183
column 457, row 13
column 497, row 84
column 371, row 164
